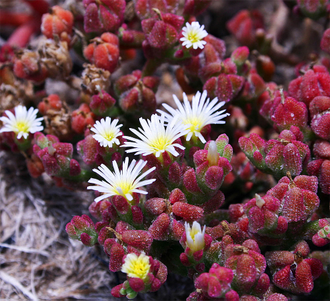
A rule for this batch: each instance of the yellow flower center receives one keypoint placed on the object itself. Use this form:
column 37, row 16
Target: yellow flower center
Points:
column 109, row 135
column 140, row 269
column 137, row 267
column 193, row 233
column 193, row 37
column 195, row 237
column 123, row 188
column 160, row 143
column 22, row 126
column 194, row 122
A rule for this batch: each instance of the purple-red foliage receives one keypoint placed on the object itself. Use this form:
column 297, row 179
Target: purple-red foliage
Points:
column 104, row 51
column 294, row 271
column 315, row 82
column 105, row 15
column 58, row 22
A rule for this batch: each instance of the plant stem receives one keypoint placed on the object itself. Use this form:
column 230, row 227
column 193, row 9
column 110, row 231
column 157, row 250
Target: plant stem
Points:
column 39, row 6
column 151, row 66
column 13, row 19
column 21, row 36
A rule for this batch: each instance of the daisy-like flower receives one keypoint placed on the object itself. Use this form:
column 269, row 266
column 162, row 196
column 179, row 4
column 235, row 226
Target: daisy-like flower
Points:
column 195, row 236
column 136, row 266
column 155, row 137
column 197, row 114
column 121, row 182
column 22, row 123
column 193, row 35
column 106, row 132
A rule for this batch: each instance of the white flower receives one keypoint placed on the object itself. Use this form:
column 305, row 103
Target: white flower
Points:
column 123, row 182
column 22, row 123
column 195, row 236
column 155, row 138
column 137, row 267
column 197, row 114
column 193, row 35
column 106, row 132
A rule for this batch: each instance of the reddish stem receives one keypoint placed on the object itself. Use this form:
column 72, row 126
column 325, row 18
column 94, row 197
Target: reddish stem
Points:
column 21, row 36
column 13, row 19
column 39, row 6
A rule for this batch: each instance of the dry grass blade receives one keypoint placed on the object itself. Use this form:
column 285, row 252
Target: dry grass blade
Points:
column 37, row 259
column 11, row 280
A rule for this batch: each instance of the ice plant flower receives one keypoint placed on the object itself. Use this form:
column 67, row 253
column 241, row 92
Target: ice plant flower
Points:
column 155, row 137
column 193, row 35
column 136, row 266
column 123, row 182
column 197, row 114
column 22, row 123
column 195, row 236
column 106, row 131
